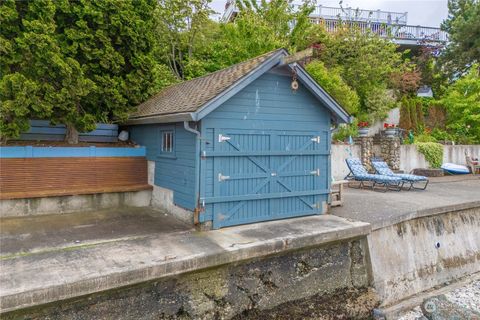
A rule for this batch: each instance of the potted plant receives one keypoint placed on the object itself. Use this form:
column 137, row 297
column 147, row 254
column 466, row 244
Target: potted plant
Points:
column 363, row 127
column 390, row 129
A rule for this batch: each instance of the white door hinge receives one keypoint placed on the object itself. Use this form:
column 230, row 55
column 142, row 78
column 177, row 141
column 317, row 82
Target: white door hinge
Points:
column 222, row 138
column 316, row 139
column 222, row 177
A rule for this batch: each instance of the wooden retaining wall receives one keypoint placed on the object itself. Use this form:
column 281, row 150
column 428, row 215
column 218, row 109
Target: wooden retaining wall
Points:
column 43, row 130
column 43, row 177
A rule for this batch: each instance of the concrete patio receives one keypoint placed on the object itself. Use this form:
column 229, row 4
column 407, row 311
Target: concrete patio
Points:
column 383, row 209
column 35, row 234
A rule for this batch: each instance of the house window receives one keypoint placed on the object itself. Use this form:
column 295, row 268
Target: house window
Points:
column 167, row 142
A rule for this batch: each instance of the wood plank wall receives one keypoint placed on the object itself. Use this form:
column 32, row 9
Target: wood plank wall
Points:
column 43, row 177
column 43, row 130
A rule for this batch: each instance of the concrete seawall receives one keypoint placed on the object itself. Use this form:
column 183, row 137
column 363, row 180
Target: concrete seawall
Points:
column 424, row 252
column 229, row 290
column 194, row 274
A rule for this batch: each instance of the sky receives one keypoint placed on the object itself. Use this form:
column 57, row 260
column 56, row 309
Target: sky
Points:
column 428, row 13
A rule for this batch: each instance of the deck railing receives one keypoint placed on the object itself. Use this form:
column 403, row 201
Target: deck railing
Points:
column 337, row 13
column 396, row 32
column 389, row 17
column 388, row 24
column 230, row 11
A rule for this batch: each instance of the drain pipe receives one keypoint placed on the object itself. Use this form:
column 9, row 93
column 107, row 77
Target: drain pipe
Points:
column 189, row 129
column 196, row 211
column 334, row 126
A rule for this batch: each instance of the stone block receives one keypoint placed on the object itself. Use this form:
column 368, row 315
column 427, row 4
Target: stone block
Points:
column 439, row 307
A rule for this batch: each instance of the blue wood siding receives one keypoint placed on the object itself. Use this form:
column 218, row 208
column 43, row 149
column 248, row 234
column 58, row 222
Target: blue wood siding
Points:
column 269, row 103
column 266, row 168
column 176, row 171
column 43, row 130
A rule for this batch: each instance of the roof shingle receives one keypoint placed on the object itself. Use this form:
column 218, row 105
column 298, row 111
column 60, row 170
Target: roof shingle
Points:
column 190, row 95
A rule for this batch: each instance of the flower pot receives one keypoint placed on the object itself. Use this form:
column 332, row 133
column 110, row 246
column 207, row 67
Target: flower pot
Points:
column 363, row 132
column 391, row 132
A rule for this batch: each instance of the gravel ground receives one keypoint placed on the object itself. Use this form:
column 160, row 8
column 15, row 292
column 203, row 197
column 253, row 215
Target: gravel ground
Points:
column 467, row 296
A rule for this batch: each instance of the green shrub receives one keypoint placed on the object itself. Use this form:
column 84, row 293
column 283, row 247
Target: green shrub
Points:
column 432, row 151
column 405, row 122
column 441, row 135
column 378, row 102
column 462, row 102
column 425, row 138
column 333, row 83
column 345, row 131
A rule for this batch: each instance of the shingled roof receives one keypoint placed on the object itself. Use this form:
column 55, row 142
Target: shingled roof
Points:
column 191, row 95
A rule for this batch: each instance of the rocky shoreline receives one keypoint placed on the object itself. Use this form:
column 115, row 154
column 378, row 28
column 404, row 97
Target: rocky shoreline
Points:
column 461, row 303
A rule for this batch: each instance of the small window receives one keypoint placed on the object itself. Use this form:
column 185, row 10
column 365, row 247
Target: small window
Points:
column 167, row 142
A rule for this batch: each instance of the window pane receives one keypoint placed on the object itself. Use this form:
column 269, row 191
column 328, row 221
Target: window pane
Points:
column 167, row 141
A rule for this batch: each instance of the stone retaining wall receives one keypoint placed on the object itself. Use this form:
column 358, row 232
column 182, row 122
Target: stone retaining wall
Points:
column 390, row 151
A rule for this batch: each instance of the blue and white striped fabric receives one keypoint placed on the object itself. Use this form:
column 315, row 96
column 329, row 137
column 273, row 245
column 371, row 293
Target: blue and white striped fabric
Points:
column 360, row 173
column 382, row 168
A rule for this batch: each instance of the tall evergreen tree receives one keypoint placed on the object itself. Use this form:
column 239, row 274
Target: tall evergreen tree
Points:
column 76, row 62
column 463, row 27
column 420, row 115
column 413, row 114
column 405, row 122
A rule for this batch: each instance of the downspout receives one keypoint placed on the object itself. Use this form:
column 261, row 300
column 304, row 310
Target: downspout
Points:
column 196, row 211
column 333, row 129
column 189, row 129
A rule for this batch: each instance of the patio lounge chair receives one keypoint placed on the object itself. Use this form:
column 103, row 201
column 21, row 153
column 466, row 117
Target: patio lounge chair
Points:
column 360, row 174
column 381, row 167
column 472, row 163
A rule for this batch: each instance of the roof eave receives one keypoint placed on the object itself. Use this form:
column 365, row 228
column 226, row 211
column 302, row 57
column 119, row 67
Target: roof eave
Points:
column 239, row 85
column 163, row 118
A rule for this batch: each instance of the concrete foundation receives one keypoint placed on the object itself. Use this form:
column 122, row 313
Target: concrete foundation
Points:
column 162, row 198
column 67, row 204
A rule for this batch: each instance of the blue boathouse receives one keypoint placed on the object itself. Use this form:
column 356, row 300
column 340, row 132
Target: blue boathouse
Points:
column 245, row 144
